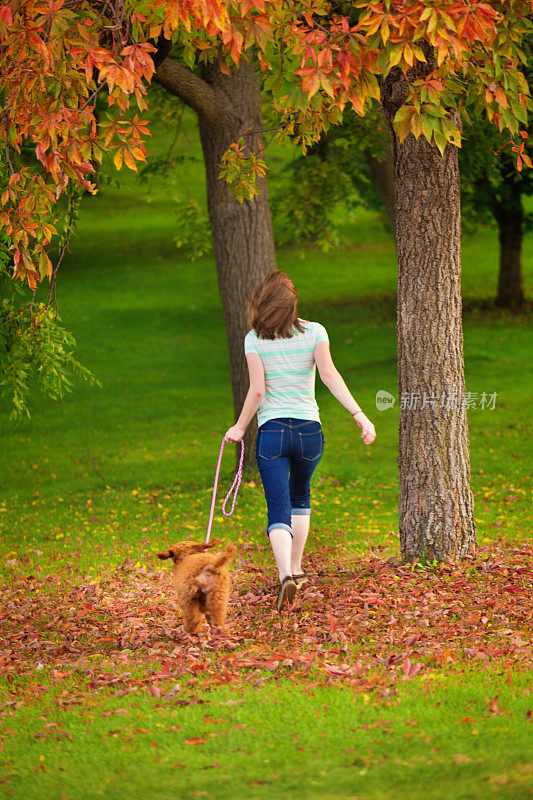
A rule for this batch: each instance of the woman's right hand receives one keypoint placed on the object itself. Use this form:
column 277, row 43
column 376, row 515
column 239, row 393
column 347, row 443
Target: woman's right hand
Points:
column 234, row 434
column 368, row 432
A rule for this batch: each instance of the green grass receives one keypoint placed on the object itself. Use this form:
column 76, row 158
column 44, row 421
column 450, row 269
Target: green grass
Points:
column 115, row 473
column 316, row 742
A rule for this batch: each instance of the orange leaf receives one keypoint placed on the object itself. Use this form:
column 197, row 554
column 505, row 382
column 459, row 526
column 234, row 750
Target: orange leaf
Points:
column 129, row 160
column 385, row 31
column 311, row 83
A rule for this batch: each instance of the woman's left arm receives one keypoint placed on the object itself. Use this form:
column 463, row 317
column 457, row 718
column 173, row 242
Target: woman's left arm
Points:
column 256, row 392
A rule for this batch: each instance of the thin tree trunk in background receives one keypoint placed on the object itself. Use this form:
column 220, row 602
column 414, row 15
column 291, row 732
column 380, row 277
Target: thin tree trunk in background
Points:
column 383, row 174
column 436, row 505
column 509, row 217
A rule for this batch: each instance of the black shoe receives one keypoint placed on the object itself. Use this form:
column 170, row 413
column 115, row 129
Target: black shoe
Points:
column 287, row 590
column 301, row 579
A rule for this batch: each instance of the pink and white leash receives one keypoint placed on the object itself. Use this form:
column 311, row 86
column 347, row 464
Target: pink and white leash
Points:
column 235, row 485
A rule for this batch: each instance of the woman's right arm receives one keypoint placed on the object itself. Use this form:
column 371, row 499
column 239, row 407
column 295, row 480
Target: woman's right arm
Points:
column 331, row 377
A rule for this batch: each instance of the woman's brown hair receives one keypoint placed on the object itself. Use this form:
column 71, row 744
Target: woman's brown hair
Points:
column 272, row 307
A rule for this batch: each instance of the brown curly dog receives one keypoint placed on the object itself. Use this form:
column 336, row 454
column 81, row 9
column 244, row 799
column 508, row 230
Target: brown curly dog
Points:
column 203, row 583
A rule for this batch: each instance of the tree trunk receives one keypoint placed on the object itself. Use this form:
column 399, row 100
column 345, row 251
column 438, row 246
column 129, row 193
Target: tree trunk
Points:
column 436, row 506
column 509, row 216
column 242, row 233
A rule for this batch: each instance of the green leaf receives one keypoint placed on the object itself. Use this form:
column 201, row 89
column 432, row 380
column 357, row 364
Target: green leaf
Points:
column 440, row 141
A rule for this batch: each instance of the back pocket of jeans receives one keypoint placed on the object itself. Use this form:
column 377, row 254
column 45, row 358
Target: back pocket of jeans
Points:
column 311, row 445
column 270, row 443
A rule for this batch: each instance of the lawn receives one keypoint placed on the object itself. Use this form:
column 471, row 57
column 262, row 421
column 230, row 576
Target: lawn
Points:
column 385, row 681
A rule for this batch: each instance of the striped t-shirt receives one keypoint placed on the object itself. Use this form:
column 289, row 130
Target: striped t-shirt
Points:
column 289, row 366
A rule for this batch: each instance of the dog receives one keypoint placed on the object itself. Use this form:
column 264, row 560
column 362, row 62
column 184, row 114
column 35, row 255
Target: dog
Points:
column 203, row 583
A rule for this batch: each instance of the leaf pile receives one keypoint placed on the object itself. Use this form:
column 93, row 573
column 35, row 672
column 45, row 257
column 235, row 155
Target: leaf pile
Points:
column 364, row 621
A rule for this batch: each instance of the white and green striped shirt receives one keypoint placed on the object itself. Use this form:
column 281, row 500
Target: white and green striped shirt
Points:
column 289, row 366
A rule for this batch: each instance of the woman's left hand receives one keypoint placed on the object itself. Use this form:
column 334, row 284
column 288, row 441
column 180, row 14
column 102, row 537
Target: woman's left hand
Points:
column 368, row 432
column 234, row 434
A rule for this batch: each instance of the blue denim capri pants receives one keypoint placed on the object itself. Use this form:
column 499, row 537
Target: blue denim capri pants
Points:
column 288, row 451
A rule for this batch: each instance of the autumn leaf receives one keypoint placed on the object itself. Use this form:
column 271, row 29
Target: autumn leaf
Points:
column 493, row 706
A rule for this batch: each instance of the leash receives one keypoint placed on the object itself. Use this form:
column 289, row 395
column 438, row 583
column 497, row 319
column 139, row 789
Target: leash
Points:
column 235, row 485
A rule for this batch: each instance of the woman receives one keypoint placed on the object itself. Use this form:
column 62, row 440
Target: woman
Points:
column 282, row 351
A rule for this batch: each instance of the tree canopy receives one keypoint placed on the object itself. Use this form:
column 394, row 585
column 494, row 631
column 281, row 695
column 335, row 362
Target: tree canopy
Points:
column 317, row 57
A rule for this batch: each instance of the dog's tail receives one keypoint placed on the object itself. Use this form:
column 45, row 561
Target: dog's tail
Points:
column 223, row 558
column 209, row 573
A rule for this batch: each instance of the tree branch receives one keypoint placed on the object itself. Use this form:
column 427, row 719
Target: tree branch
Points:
column 193, row 90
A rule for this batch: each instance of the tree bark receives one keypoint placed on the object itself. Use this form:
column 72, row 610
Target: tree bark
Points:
column 436, row 505
column 509, row 216
column 242, row 233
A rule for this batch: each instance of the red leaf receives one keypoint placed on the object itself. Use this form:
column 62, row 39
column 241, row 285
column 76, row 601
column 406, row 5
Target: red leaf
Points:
column 493, row 705
column 410, row 670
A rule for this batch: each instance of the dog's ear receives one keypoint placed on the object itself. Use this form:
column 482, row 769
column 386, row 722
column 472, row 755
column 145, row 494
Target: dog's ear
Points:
column 213, row 543
column 178, row 551
column 199, row 547
column 183, row 549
